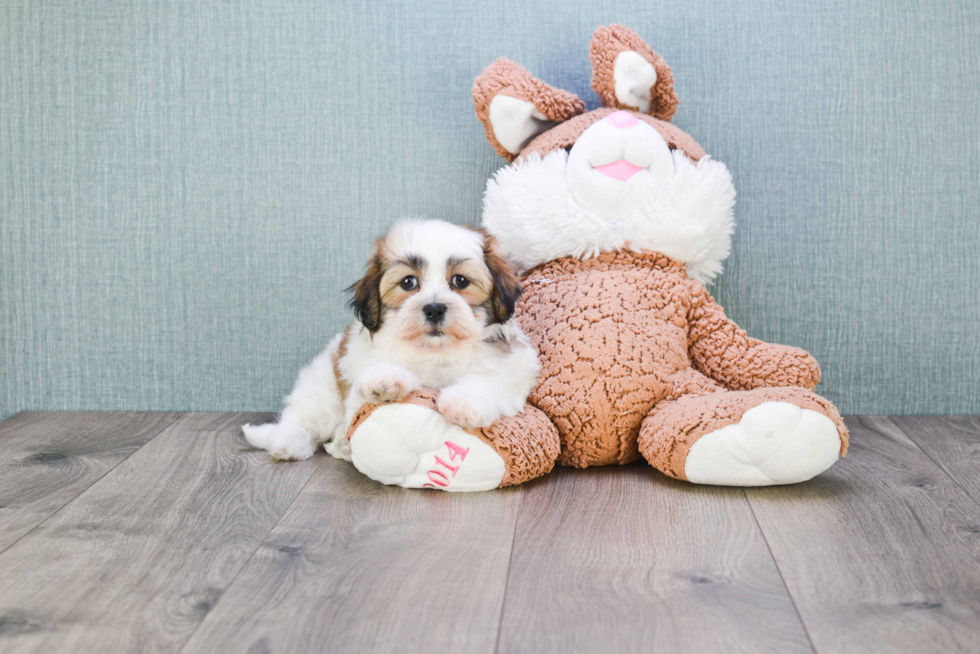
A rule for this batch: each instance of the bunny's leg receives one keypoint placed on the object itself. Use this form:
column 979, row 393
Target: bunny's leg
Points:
column 410, row 444
column 760, row 437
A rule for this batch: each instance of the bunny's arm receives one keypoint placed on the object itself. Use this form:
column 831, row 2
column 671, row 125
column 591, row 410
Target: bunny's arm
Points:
column 724, row 352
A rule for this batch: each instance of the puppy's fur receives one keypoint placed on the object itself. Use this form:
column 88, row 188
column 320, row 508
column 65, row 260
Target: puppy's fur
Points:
column 434, row 310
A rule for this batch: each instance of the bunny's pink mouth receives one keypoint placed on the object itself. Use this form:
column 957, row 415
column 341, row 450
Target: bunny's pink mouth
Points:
column 621, row 170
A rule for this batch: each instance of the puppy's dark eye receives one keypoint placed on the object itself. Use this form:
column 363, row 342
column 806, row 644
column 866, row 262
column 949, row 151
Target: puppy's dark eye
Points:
column 460, row 282
column 410, row 283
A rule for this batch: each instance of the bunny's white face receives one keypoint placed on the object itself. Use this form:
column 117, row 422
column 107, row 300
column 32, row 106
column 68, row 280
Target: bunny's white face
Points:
column 617, row 164
column 603, row 197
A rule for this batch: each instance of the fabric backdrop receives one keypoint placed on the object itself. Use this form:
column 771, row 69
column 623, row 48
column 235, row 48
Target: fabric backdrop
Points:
column 187, row 187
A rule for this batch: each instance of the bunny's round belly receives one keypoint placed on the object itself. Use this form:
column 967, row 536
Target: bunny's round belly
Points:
column 610, row 342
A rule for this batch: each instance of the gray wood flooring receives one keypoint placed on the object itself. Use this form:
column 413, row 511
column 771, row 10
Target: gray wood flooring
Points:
column 165, row 532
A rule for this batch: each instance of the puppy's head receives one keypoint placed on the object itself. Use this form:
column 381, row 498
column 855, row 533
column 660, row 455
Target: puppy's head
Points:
column 435, row 285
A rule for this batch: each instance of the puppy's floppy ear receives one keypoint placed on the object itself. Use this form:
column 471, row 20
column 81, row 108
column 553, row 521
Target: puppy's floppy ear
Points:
column 366, row 292
column 506, row 288
column 514, row 107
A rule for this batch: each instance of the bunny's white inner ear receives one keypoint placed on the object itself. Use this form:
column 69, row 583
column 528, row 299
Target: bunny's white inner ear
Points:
column 515, row 122
column 634, row 77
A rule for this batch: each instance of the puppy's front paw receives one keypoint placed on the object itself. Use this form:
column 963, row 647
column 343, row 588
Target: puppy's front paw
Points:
column 383, row 384
column 459, row 408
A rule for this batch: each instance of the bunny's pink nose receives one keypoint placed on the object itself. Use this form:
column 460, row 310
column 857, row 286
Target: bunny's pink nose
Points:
column 622, row 119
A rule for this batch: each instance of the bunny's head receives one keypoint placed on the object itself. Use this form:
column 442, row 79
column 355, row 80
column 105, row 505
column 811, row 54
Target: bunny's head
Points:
column 619, row 177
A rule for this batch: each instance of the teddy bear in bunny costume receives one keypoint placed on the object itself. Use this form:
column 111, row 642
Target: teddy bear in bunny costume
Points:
column 617, row 218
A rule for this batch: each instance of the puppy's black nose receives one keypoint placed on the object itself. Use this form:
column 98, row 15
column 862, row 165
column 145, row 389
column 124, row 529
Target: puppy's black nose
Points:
column 434, row 312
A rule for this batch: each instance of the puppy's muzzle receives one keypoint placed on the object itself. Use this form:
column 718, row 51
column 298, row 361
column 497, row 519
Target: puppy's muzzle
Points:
column 435, row 313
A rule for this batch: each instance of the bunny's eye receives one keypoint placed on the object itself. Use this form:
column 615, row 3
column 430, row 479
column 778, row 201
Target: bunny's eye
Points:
column 410, row 283
column 459, row 282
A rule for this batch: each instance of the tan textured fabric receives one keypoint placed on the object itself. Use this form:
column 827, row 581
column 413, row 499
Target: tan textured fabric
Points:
column 623, row 332
column 528, row 443
column 565, row 135
column 666, row 436
column 723, row 351
column 504, row 77
column 606, row 44
column 343, row 386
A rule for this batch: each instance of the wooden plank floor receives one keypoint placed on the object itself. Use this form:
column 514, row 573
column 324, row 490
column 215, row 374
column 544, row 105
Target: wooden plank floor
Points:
column 165, row 532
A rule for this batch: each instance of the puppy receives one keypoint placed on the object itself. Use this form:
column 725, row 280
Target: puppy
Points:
column 434, row 310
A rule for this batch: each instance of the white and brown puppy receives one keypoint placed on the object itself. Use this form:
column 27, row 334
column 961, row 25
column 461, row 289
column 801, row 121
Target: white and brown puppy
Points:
column 434, row 310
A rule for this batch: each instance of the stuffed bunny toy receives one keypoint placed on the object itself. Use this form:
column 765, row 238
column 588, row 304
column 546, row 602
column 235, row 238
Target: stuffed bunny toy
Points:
column 617, row 219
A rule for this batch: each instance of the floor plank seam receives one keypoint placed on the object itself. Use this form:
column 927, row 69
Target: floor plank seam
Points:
column 956, row 482
column 252, row 554
column 510, row 561
column 782, row 578
column 95, row 482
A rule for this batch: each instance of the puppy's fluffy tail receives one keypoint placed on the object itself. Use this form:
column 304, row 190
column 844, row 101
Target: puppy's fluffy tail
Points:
column 259, row 436
column 285, row 441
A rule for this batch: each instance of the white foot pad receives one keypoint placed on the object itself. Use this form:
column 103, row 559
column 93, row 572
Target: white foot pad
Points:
column 414, row 447
column 773, row 443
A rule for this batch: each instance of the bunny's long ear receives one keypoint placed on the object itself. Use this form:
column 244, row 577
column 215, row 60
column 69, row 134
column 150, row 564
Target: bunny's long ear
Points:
column 628, row 74
column 514, row 107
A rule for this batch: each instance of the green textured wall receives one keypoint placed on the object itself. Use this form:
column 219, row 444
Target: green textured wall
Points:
column 186, row 187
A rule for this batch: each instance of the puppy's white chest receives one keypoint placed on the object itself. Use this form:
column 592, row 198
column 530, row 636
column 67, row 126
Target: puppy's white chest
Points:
column 440, row 373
